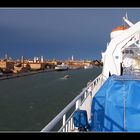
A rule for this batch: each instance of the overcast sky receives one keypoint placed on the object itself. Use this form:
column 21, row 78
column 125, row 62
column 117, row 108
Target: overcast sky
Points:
column 59, row 32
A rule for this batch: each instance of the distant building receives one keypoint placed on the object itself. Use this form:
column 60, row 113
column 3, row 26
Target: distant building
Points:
column 72, row 58
column 6, row 66
column 37, row 66
column 42, row 59
column 35, row 59
column 22, row 59
column 19, row 68
column 97, row 62
column 6, row 57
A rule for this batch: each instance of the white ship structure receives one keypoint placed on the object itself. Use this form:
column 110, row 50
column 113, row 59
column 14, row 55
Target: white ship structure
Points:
column 111, row 102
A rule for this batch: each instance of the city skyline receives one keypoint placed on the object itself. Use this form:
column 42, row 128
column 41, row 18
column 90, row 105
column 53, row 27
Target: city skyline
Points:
column 59, row 33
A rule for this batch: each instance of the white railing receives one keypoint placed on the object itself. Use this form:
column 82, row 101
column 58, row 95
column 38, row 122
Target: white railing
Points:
column 67, row 123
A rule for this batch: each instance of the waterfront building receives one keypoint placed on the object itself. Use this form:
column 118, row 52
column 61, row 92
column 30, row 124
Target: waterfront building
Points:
column 37, row 66
column 7, row 66
column 21, row 67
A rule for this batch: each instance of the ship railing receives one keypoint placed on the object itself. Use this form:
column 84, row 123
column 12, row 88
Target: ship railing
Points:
column 65, row 117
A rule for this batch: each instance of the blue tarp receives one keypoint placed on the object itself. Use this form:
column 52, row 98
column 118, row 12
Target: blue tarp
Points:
column 116, row 106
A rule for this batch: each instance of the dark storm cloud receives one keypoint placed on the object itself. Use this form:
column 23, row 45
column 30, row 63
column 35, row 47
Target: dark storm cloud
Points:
column 59, row 33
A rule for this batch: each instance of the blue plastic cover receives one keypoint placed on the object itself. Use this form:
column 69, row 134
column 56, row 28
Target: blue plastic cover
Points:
column 116, row 106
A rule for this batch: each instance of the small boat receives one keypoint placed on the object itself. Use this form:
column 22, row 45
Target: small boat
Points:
column 66, row 76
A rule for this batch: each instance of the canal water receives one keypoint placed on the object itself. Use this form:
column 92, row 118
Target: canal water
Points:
column 29, row 103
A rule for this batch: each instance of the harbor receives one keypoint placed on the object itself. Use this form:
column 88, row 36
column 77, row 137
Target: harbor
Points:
column 69, row 70
column 24, row 67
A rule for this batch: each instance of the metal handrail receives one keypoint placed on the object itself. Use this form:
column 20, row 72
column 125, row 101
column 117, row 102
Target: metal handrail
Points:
column 53, row 123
